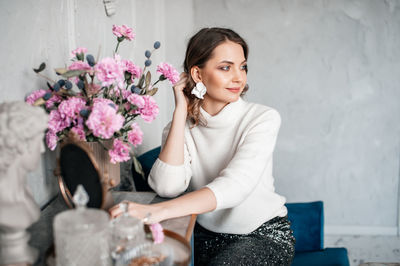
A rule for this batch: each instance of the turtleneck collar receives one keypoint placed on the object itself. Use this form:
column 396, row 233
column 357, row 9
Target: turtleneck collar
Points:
column 226, row 116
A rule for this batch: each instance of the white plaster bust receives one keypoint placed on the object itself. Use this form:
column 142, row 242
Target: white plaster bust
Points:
column 22, row 128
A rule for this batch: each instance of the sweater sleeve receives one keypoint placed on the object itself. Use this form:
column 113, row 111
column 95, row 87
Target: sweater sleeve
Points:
column 170, row 180
column 242, row 174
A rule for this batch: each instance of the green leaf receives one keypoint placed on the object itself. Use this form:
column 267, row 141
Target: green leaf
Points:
column 73, row 73
column 141, row 81
column 138, row 167
column 40, row 68
column 148, row 79
column 152, row 91
column 60, row 71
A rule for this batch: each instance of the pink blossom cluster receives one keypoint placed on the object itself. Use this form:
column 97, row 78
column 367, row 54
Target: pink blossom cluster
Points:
column 79, row 50
column 119, row 152
column 169, row 72
column 157, row 232
column 31, row 99
column 71, row 107
column 104, row 120
column 146, row 106
column 123, row 31
column 109, row 72
column 130, row 67
column 135, row 135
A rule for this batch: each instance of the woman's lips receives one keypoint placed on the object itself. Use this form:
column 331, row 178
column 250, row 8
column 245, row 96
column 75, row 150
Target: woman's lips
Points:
column 234, row 89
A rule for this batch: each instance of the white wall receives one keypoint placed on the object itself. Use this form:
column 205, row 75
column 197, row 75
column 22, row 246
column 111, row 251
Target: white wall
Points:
column 331, row 68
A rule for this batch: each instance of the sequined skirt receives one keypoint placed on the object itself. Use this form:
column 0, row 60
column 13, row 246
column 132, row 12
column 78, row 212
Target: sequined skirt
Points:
column 270, row 244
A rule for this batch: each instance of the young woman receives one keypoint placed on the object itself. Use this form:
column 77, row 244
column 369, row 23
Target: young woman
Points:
column 220, row 148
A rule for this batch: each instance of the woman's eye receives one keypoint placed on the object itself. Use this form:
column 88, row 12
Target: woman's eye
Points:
column 226, row 68
column 244, row 67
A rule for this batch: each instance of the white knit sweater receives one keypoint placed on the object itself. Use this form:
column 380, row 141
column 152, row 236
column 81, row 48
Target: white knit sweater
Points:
column 232, row 156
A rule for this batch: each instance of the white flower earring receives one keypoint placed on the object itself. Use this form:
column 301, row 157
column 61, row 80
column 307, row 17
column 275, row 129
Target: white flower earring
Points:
column 199, row 90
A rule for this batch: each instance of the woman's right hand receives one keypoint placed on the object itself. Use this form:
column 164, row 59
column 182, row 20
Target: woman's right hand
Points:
column 181, row 101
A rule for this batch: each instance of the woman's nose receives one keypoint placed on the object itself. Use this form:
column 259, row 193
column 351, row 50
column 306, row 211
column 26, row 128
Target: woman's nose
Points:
column 238, row 75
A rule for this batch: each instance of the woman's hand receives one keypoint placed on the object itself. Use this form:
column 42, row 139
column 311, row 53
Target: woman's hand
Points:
column 181, row 100
column 149, row 214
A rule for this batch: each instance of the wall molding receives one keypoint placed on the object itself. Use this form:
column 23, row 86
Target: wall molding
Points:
column 360, row 230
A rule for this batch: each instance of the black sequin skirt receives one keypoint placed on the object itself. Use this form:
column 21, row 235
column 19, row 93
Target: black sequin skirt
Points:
column 270, row 244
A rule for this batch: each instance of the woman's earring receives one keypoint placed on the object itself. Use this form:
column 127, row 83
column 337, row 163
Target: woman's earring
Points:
column 199, row 90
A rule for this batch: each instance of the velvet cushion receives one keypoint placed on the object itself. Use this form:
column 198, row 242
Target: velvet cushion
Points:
column 307, row 223
column 328, row 256
column 147, row 160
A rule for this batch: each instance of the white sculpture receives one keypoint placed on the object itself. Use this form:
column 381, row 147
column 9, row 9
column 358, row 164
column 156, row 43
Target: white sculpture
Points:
column 22, row 128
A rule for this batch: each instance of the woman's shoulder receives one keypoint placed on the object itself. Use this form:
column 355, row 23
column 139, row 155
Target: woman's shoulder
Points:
column 257, row 110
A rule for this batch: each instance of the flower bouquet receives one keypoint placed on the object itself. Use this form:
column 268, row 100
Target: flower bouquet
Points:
column 99, row 99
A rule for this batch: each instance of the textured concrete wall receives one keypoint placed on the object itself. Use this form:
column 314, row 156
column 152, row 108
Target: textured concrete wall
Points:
column 331, row 68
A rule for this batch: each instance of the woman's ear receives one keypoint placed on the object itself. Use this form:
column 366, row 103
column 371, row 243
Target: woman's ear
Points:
column 195, row 73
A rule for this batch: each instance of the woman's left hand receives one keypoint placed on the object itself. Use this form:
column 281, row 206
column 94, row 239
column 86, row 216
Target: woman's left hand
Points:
column 149, row 214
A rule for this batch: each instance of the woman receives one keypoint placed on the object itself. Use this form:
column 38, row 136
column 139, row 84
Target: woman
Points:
column 220, row 148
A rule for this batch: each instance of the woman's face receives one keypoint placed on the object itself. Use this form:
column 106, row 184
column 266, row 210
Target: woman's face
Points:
column 224, row 74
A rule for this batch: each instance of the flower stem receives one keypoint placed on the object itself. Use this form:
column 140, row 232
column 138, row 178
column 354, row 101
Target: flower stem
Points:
column 116, row 48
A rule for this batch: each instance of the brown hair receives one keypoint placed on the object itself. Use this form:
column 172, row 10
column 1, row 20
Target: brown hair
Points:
column 199, row 50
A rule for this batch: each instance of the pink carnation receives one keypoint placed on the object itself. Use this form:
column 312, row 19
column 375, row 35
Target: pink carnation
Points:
column 136, row 100
column 157, row 233
column 103, row 100
column 80, row 132
column 150, row 109
column 79, row 65
column 123, row 31
column 169, row 72
column 135, row 135
column 119, row 152
column 126, row 94
column 79, row 50
column 104, row 120
column 109, row 71
column 51, row 140
column 130, row 67
column 57, row 122
column 31, row 99
column 71, row 107
column 53, row 100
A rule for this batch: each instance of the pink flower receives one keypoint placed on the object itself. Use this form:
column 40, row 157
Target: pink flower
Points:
column 31, row 99
column 119, row 152
column 130, row 67
column 135, row 135
column 53, row 100
column 71, row 107
column 109, row 71
column 79, row 50
column 57, row 122
column 104, row 120
column 51, row 140
column 80, row 132
column 157, row 233
column 103, row 100
column 136, row 100
column 126, row 94
column 79, row 65
column 150, row 109
column 123, row 31
column 169, row 72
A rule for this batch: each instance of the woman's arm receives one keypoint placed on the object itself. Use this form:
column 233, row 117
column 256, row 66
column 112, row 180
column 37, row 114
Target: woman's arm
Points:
column 172, row 152
column 196, row 202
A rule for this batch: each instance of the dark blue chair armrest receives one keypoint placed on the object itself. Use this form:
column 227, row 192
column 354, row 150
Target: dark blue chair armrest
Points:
column 148, row 158
column 307, row 223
